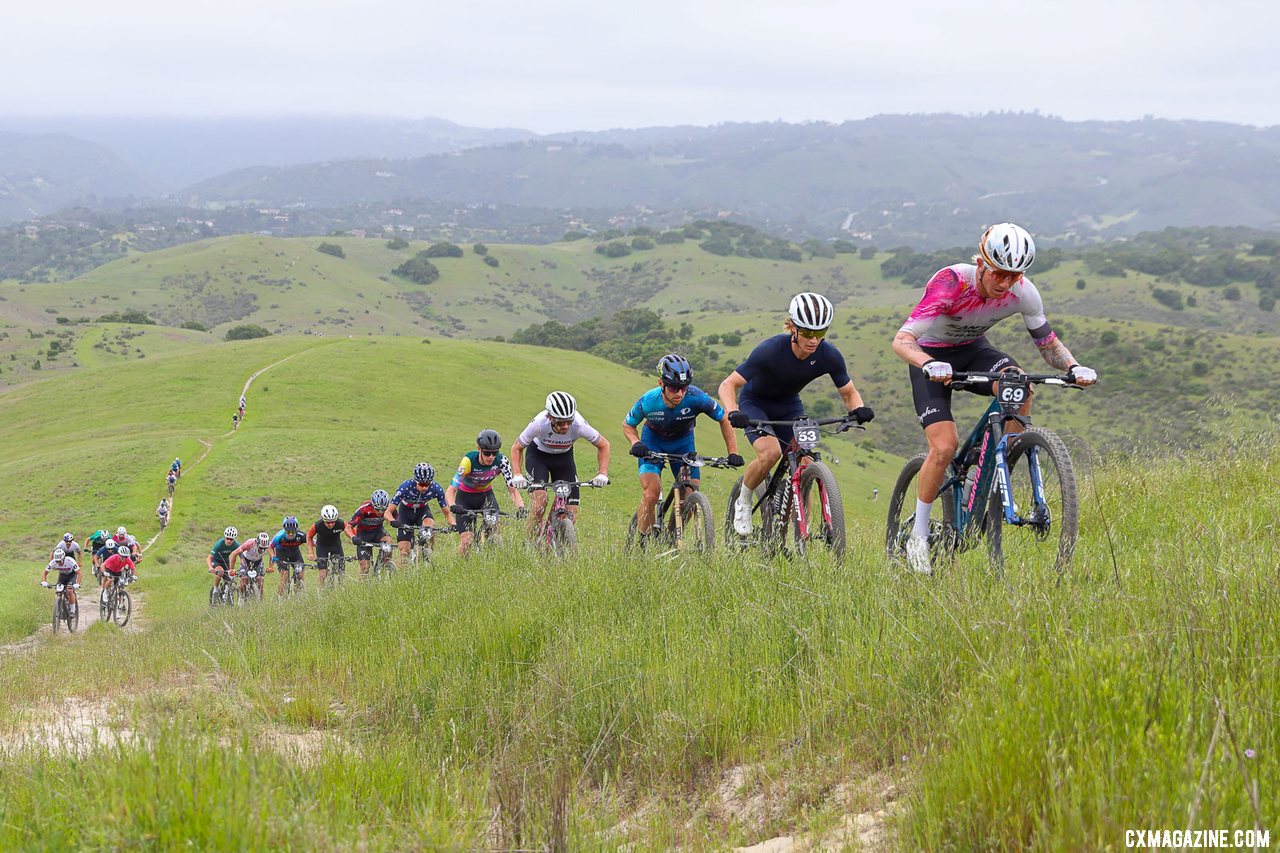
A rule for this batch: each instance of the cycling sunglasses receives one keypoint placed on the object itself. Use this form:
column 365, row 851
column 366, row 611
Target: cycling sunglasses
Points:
column 812, row 334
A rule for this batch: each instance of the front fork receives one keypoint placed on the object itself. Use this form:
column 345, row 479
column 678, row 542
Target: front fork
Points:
column 1038, row 505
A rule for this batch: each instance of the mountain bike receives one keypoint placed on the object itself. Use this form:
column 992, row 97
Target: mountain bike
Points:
column 557, row 533
column 801, row 499
column 335, row 569
column 291, row 570
column 420, row 545
column 118, row 605
column 253, row 588
column 685, row 508
column 62, row 612
column 221, row 593
column 381, row 562
column 1018, row 489
column 486, row 528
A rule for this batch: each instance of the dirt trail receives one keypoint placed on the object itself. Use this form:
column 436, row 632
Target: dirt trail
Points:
column 89, row 615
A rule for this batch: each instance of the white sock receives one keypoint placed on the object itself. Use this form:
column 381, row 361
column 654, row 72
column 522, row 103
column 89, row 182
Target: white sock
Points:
column 746, row 496
column 921, row 529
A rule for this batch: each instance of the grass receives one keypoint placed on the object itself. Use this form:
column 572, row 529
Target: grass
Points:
column 1032, row 711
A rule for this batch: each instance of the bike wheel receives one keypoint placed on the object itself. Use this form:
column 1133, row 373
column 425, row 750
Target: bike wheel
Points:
column 819, row 490
column 564, row 536
column 57, row 612
column 73, row 617
column 699, row 526
column 123, row 608
column 633, row 533
column 902, row 514
column 1048, row 538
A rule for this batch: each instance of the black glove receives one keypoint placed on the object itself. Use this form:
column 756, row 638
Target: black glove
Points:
column 738, row 419
column 736, row 461
column 522, row 512
column 639, row 450
column 455, row 508
column 861, row 415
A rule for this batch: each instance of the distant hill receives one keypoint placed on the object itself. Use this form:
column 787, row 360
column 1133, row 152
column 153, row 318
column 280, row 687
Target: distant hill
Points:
column 174, row 152
column 44, row 173
column 921, row 180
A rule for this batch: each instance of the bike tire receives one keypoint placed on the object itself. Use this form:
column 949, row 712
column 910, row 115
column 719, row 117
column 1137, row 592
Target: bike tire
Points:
column 633, row 533
column 902, row 514
column 123, row 609
column 57, row 612
column 699, row 526
column 816, row 483
column 564, row 536
column 73, row 618
column 1051, row 543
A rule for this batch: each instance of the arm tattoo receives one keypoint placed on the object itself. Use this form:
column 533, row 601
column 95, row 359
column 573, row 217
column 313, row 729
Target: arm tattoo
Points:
column 1057, row 355
column 907, row 346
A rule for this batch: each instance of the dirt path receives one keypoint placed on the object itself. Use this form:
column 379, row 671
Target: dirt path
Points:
column 89, row 615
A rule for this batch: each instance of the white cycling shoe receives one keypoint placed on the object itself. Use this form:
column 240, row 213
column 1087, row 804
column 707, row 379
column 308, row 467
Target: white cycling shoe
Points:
column 918, row 555
column 741, row 518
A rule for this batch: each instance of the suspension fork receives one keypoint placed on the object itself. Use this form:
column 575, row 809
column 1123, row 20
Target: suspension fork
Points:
column 802, row 521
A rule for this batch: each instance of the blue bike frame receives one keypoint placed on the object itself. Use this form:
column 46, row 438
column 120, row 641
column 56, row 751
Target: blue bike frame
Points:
column 969, row 509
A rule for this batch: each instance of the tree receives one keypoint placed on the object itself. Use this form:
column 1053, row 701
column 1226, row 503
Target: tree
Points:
column 246, row 332
column 444, row 249
column 418, row 269
column 571, row 236
column 671, row 237
column 490, row 260
column 480, row 249
column 331, row 249
column 616, row 249
column 196, row 325
column 395, row 244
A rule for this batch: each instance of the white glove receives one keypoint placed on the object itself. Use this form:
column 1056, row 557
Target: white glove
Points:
column 386, row 547
column 1082, row 375
column 600, row 480
column 518, row 482
column 75, row 586
column 937, row 371
column 44, row 584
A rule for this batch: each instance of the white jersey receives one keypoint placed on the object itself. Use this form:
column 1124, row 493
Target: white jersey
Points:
column 953, row 313
column 253, row 554
column 71, row 548
column 66, row 565
column 540, row 434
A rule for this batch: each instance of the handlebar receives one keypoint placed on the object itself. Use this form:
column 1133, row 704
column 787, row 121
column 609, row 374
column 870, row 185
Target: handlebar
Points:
column 542, row 487
column 972, row 376
column 692, row 459
column 844, row 424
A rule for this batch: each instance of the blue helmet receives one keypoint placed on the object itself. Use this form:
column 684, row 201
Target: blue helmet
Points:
column 675, row 370
column 290, row 523
column 380, row 499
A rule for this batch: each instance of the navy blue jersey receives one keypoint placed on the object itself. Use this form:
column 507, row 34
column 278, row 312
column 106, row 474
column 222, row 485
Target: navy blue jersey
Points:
column 288, row 544
column 673, row 421
column 774, row 374
column 408, row 497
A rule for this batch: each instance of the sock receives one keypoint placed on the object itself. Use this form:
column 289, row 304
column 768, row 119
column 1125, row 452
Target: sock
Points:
column 746, row 496
column 921, row 529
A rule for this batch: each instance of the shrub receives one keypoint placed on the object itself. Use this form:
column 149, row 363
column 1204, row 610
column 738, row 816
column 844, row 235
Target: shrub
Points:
column 444, row 249
column 1232, row 293
column 1109, row 338
column 194, row 324
column 616, row 249
column 490, row 260
column 246, row 332
column 331, row 249
column 1168, row 298
column 671, row 237
column 480, row 249
column 1080, row 284
column 418, row 269
column 131, row 315
column 571, row 236
column 395, row 244
column 640, row 244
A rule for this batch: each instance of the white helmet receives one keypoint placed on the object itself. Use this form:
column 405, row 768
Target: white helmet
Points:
column 811, row 311
column 120, row 531
column 263, row 540
column 1007, row 247
column 58, row 553
column 230, row 533
column 561, row 405
column 329, row 512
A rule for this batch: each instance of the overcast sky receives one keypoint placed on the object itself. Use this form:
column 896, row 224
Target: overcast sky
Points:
column 575, row 65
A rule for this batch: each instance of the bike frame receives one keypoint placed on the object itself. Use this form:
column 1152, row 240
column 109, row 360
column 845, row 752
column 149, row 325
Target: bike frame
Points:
column 792, row 468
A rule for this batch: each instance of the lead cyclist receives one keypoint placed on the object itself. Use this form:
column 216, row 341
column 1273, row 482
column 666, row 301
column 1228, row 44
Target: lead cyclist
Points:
column 946, row 332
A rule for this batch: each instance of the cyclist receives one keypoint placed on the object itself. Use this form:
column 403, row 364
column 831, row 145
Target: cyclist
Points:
column 219, row 558
column 235, row 422
column 70, row 547
column 117, row 566
column 365, row 527
column 946, row 332
column 68, row 574
column 251, row 551
column 162, row 513
column 97, row 542
column 122, row 537
column 411, row 505
column 326, row 536
column 472, row 485
column 242, row 403
column 550, row 437
column 171, row 480
column 176, row 467
column 286, row 548
column 668, row 413
column 770, row 381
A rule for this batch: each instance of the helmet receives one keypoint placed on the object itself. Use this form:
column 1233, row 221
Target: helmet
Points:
column 561, row 405
column 120, row 531
column 263, row 540
column 423, row 472
column 231, row 533
column 489, row 439
column 380, row 499
column 177, row 461
column 67, row 537
column 102, row 534
column 58, row 553
column 329, row 512
column 124, row 552
column 811, row 311
column 290, row 523
column 675, row 370
column 1007, row 247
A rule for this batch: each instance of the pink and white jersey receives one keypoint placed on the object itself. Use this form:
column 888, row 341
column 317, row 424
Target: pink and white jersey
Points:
column 540, row 434
column 952, row 313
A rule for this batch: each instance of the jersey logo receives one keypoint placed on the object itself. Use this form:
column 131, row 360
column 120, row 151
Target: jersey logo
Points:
column 815, row 361
column 685, row 411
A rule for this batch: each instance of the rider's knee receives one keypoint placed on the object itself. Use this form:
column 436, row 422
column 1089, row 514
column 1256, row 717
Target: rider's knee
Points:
column 651, row 492
column 768, row 453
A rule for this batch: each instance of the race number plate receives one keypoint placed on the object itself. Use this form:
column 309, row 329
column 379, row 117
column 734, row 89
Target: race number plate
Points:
column 807, row 433
column 1014, row 391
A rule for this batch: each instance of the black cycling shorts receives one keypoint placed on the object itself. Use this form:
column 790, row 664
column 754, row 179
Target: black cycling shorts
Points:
column 472, row 500
column 247, row 564
column 548, row 467
column 324, row 555
column 780, row 410
column 366, row 543
column 933, row 399
column 67, row 578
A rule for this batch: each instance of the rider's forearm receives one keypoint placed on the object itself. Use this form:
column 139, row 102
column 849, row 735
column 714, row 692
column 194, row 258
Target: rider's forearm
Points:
column 630, row 433
column 730, row 437
column 602, row 455
column 852, row 399
column 728, row 391
column 1056, row 354
column 906, row 346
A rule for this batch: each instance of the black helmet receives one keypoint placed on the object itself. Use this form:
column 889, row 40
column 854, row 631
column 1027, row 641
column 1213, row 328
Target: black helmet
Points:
column 489, row 439
column 675, row 370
